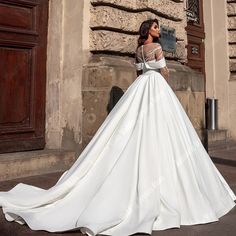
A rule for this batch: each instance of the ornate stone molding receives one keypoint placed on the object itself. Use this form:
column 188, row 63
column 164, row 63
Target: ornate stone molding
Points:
column 232, row 36
column 122, row 43
column 231, row 8
column 232, row 64
column 163, row 8
column 106, row 17
column 114, row 24
column 232, row 22
column 231, row 12
column 232, row 50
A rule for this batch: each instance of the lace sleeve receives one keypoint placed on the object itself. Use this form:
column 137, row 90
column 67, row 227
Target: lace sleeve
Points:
column 160, row 57
column 138, row 61
column 158, row 52
column 138, row 65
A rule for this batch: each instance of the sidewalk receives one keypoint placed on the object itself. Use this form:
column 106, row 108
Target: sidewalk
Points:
column 226, row 226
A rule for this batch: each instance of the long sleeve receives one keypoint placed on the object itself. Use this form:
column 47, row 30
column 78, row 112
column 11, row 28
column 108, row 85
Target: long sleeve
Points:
column 159, row 56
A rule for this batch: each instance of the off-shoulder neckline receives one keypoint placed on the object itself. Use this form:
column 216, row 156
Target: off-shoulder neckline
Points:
column 149, row 44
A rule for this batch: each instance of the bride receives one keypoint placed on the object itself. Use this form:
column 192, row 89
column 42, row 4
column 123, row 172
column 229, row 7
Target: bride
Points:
column 145, row 168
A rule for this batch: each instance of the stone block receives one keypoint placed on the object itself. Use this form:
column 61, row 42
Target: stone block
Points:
column 197, row 82
column 183, row 97
column 128, row 3
column 194, row 106
column 216, row 135
column 94, row 110
column 232, row 64
column 183, row 78
column 197, row 109
column 107, row 40
column 169, row 8
column 181, row 52
column 97, row 77
column 104, row 40
column 110, row 17
column 22, row 164
column 232, row 77
column 124, row 77
column 232, row 36
column 231, row 8
column 100, row 75
column 180, row 81
column 216, row 140
column 232, row 50
column 109, row 24
column 232, row 22
column 107, row 71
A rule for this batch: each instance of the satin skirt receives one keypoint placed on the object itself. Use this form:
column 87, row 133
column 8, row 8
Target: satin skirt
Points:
column 145, row 169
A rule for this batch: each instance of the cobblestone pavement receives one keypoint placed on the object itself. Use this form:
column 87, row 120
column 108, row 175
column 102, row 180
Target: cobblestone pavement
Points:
column 226, row 226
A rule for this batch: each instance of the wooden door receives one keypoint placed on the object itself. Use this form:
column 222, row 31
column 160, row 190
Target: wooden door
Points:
column 23, row 40
column 195, row 35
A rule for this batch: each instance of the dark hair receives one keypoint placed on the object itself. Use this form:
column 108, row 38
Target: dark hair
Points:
column 144, row 31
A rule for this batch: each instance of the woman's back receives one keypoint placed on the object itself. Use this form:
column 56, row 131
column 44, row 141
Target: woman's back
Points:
column 151, row 51
column 150, row 57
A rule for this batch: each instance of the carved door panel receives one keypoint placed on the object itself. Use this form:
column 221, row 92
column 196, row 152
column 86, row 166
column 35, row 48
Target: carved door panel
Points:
column 196, row 35
column 23, row 37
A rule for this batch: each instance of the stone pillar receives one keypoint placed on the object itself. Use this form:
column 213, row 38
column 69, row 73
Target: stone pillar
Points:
column 67, row 52
column 54, row 74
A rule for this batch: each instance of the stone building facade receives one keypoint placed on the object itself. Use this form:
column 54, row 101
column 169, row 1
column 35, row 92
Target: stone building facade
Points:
column 95, row 50
column 90, row 48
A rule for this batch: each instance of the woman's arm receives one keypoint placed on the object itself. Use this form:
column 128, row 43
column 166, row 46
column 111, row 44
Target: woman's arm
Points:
column 159, row 55
column 139, row 70
column 165, row 73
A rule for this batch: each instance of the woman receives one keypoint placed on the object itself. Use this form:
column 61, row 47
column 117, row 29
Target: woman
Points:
column 145, row 169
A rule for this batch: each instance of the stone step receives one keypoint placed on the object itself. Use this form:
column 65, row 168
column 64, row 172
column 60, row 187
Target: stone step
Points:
column 30, row 163
column 231, row 144
column 224, row 156
column 217, row 135
column 216, row 139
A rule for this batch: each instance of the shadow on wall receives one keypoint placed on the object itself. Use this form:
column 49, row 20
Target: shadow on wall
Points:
column 115, row 94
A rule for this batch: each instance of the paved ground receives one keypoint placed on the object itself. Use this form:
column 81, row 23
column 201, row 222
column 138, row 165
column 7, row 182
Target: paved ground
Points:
column 226, row 226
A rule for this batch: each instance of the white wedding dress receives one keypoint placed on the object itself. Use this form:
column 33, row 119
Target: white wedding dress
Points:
column 145, row 169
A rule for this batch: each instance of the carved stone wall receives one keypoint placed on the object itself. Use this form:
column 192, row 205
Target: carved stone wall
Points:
column 106, row 71
column 114, row 24
column 101, row 73
column 231, row 12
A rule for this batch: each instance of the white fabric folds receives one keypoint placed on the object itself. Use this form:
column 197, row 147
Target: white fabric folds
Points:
column 145, row 169
column 150, row 65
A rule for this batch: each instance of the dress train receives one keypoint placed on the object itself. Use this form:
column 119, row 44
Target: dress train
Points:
column 145, row 169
